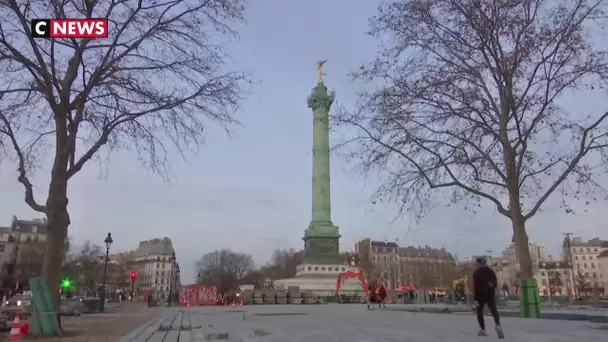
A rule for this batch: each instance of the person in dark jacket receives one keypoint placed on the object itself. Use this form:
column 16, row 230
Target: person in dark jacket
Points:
column 382, row 296
column 485, row 284
column 372, row 296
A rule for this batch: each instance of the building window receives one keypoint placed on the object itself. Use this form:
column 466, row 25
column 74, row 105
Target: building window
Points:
column 588, row 250
column 594, row 275
column 544, row 282
column 576, row 257
column 542, row 273
column 2, row 246
column 595, row 249
column 584, row 258
column 585, row 265
column 157, row 265
column 592, row 265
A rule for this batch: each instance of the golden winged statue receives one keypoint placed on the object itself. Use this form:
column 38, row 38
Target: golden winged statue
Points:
column 320, row 64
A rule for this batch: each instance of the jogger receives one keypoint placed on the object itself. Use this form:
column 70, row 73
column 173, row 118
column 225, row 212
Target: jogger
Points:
column 491, row 304
column 485, row 284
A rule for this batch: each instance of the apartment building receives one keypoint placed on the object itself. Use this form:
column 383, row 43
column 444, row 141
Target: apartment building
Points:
column 603, row 257
column 501, row 268
column 399, row 266
column 538, row 255
column 555, row 278
column 584, row 257
column 17, row 242
column 156, row 267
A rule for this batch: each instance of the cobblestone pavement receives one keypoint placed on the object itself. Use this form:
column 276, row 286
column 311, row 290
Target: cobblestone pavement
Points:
column 354, row 323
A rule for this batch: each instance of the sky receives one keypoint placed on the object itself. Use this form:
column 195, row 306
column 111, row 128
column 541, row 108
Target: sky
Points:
column 252, row 192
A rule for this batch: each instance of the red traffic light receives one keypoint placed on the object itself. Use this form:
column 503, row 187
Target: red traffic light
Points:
column 133, row 275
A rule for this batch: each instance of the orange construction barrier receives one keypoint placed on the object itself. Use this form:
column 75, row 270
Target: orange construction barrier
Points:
column 233, row 305
column 15, row 334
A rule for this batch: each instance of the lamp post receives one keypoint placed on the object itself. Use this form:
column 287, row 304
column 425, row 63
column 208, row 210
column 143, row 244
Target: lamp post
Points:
column 171, row 279
column 177, row 285
column 102, row 295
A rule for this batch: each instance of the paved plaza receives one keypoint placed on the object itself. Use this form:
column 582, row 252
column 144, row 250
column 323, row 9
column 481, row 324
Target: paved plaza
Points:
column 354, row 323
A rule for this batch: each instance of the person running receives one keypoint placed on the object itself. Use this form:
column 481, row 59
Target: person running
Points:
column 485, row 284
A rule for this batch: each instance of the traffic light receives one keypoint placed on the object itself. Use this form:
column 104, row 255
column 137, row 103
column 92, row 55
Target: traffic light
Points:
column 133, row 275
column 66, row 283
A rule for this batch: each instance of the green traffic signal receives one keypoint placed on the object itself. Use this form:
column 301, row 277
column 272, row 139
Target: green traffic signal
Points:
column 66, row 283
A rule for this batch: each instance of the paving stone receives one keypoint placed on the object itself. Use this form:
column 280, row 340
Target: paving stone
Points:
column 353, row 322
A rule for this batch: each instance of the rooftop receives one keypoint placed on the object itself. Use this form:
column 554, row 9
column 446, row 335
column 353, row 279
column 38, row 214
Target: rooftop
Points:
column 28, row 226
column 157, row 246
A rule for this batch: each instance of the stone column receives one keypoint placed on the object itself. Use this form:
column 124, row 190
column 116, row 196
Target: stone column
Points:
column 320, row 102
column 322, row 237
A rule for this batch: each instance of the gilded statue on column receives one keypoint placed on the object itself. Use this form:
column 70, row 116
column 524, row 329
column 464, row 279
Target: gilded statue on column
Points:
column 320, row 64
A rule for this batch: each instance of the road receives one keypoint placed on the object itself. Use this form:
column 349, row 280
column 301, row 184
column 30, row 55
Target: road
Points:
column 352, row 322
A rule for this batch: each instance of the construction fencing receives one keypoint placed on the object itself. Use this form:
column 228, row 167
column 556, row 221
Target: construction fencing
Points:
column 198, row 295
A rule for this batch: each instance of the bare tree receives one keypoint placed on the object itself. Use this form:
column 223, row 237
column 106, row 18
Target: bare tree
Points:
column 151, row 87
column 29, row 261
column 88, row 268
column 284, row 262
column 30, row 257
column 472, row 102
column 224, row 269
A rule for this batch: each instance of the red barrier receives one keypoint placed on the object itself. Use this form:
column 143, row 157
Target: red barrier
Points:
column 198, row 294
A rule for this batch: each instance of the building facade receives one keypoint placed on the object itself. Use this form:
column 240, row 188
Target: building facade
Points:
column 603, row 257
column 584, row 256
column 405, row 266
column 538, row 255
column 155, row 266
column 21, row 248
column 554, row 278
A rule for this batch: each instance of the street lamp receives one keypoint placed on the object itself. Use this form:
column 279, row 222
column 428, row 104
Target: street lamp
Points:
column 172, row 277
column 177, row 285
column 102, row 295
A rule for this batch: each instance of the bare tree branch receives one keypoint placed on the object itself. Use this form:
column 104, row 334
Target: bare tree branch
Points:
column 152, row 87
column 472, row 100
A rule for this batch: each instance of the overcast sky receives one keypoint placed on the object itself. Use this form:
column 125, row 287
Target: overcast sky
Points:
column 252, row 193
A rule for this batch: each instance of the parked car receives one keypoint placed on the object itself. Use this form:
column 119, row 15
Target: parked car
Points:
column 18, row 301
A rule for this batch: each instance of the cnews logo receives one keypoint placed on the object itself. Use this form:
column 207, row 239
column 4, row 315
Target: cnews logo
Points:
column 69, row 28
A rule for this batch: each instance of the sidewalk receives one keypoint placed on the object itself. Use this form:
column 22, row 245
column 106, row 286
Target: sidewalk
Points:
column 104, row 327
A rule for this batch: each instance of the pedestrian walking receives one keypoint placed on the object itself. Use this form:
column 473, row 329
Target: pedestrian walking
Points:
column 382, row 296
column 485, row 284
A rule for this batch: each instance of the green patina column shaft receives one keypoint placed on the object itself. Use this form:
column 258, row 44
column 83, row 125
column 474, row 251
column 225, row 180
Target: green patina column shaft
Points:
column 321, row 238
column 320, row 101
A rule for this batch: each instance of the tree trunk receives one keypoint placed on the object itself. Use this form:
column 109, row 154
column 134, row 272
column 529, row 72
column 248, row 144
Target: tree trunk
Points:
column 521, row 247
column 58, row 221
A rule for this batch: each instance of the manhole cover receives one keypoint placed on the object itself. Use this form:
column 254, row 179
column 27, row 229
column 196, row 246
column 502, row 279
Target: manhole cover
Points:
column 282, row 314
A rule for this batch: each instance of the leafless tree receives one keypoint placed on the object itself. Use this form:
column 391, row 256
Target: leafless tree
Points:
column 88, row 266
column 224, row 269
column 472, row 104
column 30, row 257
column 151, row 87
column 284, row 262
column 29, row 261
